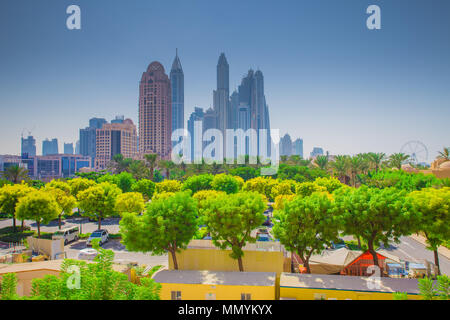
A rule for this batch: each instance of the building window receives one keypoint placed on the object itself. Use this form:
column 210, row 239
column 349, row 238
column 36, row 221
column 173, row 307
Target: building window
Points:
column 176, row 295
column 246, row 296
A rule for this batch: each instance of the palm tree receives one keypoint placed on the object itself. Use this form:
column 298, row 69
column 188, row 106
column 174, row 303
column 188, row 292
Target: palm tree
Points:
column 341, row 165
column 321, row 162
column 215, row 168
column 355, row 164
column 377, row 159
column 166, row 165
column 444, row 155
column 151, row 160
column 397, row 159
column 15, row 174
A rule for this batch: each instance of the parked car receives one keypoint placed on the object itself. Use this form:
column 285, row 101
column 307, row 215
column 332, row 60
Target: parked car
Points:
column 263, row 237
column 68, row 234
column 101, row 234
column 87, row 254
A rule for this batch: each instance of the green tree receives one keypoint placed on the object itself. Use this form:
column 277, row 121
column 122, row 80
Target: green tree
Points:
column 8, row 287
column 167, row 225
column 230, row 220
column 99, row 201
column 306, row 224
column 151, row 160
column 146, row 187
column 306, row 189
column 245, row 173
column 321, row 162
column 120, row 164
column 61, row 191
column 226, row 183
column 132, row 202
column 330, row 184
column 444, row 154
column 10, row 196
column 38, row 206
column 397, row 159
column 124, row 181
column 97, row 281
column 376, row 159
column 15, row 174
column 262, row 185
column 376, row 215
column 433, row 206
column 168, row 186
column 341, row 167
column 198, row 183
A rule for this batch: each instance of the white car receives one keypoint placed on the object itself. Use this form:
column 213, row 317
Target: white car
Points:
column 101, row 234
column 87, row 254
column 68, row 235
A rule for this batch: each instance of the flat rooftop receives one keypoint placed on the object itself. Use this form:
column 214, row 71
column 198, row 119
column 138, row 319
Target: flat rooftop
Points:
column 349, row 283
column 53, row 265
column 216, row 277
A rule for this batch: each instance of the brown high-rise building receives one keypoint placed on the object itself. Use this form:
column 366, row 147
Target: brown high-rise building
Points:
column 115, row 138
column 155, row 112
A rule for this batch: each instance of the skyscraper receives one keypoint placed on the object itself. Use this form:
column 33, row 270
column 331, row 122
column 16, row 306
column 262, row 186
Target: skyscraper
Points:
column 197, row 115
column 297, row 147
column 28, row 146
column 88, row 137
column 222, row 94
column 177, row 85
column 286, row 145
column 50, row 147
column 68, row 148
column 115, row 138
column 317, row 151
column 155, row 112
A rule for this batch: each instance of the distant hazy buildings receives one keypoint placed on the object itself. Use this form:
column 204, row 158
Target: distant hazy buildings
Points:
column 221, row 96
column 88, row 137
column 286, row 145
column 47, row 167
column 317, row 151
column 297, row 147
column 177, row 86
column 118, row 119
column 155, row 112
column 68, row 148
column 50, row 147
column 197, row 115
column 115, row 138
column 28, row 146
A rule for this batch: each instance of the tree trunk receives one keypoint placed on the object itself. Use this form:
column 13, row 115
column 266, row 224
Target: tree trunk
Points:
column 59, row 222
column 359, row 242
column 241, row 266
column 374, row 255
column 22, row 226
column 436, row 261
column 174, row 259
column 39, row 229
column 99, row 222
column 306, row 263
column 14, row 223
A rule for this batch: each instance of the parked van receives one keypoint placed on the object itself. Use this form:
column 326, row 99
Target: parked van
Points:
column 68, row 234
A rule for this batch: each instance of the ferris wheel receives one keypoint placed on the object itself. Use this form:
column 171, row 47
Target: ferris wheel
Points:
column 416, row 151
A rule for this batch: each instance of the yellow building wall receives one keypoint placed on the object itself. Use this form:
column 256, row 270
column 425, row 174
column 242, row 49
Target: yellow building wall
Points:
column 220, row 260
column 220, row 292
column 313, row 294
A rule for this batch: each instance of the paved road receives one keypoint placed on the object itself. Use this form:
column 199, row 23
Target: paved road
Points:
column 412, row 250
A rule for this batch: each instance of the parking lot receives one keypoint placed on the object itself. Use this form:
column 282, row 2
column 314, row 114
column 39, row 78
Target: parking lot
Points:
column 86, row 226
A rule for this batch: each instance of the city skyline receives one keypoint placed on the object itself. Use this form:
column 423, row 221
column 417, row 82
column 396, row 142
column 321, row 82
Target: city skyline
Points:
column 387, row 85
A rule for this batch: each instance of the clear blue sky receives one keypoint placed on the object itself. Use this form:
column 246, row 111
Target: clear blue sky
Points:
column 328, row 79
